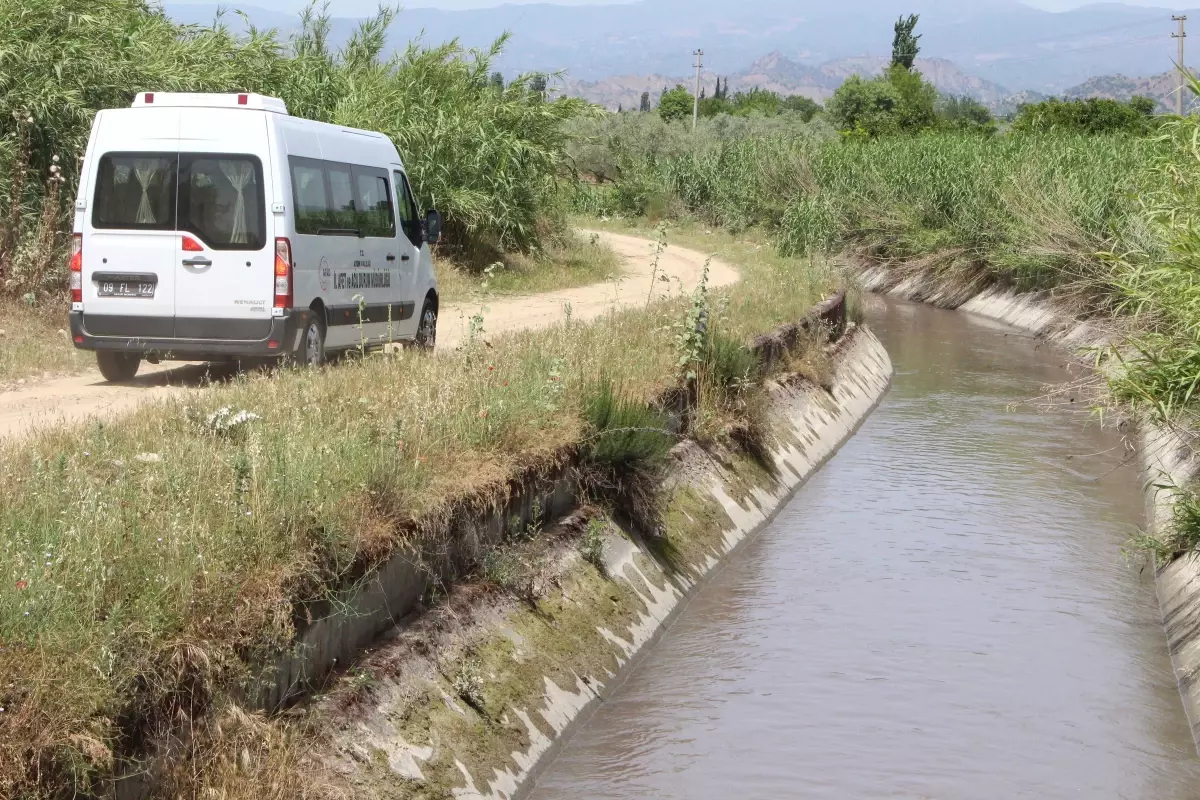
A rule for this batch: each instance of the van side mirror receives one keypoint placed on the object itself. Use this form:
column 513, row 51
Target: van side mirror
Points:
column 433, row 226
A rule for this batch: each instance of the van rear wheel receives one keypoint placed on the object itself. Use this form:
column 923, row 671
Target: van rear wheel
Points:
column 427, row 328
column 312, row 344
column 116, row 366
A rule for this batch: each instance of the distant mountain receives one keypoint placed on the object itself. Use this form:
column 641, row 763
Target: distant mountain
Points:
column 1001, row 41
column 780, row 74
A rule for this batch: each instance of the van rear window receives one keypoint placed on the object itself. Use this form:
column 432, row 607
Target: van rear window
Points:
column 136, row 191
column 221, row 201
column 217, row 197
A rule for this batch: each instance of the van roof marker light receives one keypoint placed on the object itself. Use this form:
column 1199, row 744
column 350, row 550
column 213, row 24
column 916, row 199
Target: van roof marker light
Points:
column 246, row 101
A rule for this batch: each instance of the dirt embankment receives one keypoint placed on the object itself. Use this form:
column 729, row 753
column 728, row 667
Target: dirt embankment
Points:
column 71, row 400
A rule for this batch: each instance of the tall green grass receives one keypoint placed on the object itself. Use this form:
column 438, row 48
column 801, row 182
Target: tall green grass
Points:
column 1033, row 211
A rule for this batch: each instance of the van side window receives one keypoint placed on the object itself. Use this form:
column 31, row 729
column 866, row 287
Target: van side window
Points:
column 221, row 200
column 374, row 203
column 343, row 216
column 308, row 195
column 409, row 221
column 135, row 191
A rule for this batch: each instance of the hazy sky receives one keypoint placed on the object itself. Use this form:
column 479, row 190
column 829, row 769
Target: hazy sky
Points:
column 294, row 5
column 1064, row 5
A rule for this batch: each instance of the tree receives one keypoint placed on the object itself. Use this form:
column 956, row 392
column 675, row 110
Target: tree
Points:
column 703, row 89
column 619, row 108
column 805, row 106
column 1143, row 105
column 916, row 110
column 645, row 104
column 675, row 104
column 537, row 85
column 864, row 105
column 965, row 114
column 497, row 81
column 905, row 46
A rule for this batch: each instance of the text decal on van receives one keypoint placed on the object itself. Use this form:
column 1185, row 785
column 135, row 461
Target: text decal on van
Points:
column 362, row 280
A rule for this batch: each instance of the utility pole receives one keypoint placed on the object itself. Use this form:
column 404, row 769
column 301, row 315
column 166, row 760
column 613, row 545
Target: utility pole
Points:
column 1179, row 78
column 699, row 54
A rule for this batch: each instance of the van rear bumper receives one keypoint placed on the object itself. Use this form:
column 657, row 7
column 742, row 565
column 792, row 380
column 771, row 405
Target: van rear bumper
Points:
column 283, row 337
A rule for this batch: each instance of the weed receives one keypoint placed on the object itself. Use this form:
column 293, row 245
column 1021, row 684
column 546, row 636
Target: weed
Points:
column 591, row 545
column 468, row 683
column 626, row 434
column 730, row 365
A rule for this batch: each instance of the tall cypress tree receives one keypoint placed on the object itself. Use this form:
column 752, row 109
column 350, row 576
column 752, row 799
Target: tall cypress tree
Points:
column 645, row 104
column 904, row 45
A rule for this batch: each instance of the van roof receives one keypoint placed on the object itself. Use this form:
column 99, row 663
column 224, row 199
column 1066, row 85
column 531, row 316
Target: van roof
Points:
column 247, row 100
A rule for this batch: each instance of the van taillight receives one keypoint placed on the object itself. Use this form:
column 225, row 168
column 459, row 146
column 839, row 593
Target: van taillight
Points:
column 190, row 245
column 149, row 97
column 76, row 268
column 283, row 273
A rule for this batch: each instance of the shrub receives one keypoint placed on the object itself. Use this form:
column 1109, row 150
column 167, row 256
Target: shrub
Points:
column 1090, row 116
column 676, row 104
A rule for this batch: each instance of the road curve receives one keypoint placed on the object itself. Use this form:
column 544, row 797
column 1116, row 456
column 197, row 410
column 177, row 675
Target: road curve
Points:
column 75, row 399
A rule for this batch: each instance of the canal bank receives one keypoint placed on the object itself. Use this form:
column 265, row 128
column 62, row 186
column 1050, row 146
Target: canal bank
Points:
column 1168, row 457
column 942, row 612
column 472, row 699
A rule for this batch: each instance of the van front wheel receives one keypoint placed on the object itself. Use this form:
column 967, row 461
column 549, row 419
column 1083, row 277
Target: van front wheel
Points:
column 312, row 352
column 116, row 366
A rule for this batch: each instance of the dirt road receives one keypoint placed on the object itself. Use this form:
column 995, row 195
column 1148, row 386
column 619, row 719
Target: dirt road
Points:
column 63, row 401
column 680, row 266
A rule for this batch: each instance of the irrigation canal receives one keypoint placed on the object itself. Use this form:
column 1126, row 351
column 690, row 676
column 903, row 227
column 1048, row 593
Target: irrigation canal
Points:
column 944, row 611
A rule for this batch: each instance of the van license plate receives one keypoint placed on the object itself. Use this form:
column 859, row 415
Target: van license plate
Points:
column 120, row 289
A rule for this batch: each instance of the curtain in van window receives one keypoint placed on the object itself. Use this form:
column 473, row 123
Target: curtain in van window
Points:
column 135, row 191
column 146, row 170
column 238, row 173
column 221, row 201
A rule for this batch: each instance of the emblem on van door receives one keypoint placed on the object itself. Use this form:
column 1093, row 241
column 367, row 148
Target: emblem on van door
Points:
column 325, row 274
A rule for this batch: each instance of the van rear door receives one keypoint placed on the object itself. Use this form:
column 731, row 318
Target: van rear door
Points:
column 129, row 236
column 225, row 255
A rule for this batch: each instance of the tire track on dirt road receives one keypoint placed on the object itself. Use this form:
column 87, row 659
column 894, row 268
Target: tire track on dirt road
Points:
column 78, row 398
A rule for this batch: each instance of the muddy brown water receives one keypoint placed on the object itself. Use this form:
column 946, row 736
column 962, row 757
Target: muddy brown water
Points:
column 943, row 612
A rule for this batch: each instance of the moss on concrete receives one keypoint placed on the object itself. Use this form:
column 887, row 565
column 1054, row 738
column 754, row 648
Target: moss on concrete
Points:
column 695, row 529
column 558, row 639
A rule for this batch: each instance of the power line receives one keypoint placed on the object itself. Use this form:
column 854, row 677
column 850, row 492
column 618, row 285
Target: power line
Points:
column 1112, row 29
column 1072, row 51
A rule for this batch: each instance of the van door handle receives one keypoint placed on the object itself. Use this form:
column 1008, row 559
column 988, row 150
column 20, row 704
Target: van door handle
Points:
column 199, row 261
column 391, row 256
column 404, row 257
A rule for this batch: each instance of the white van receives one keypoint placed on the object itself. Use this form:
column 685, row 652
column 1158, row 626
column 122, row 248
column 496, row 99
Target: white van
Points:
column 215, row 226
